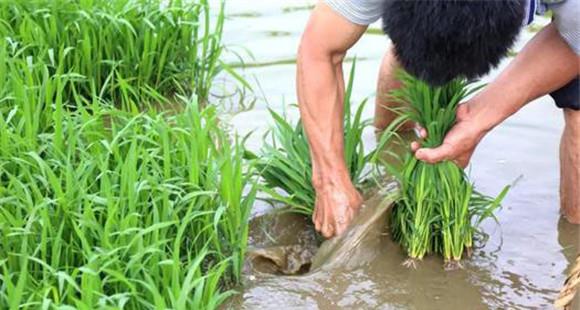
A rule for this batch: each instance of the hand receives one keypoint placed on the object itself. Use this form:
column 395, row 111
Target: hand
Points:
column 461, row 141
column 337, row 202
column 543, row 65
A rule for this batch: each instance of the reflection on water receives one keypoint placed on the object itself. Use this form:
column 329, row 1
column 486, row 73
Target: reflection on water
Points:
column 525, row 260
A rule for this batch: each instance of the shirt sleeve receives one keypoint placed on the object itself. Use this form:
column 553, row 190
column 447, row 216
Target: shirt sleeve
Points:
column 566, row 19
column 361, row 12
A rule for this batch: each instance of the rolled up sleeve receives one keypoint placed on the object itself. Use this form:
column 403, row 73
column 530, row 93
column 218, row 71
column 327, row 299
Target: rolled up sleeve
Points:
column 361, row 12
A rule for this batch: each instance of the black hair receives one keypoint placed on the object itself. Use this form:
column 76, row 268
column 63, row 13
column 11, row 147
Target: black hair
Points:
column 439, row 40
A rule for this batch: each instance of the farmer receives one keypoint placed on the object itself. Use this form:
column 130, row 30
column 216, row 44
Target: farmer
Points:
column 433, row 47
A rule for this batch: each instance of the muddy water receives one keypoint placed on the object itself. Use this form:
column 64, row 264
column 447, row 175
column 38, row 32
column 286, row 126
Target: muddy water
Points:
column 521, row 266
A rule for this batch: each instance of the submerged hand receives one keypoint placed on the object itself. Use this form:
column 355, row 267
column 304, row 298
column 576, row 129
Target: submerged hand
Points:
column 337, row 202
column 459, row 143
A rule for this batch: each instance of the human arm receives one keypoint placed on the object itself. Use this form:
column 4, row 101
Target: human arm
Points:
column 546, row 63
column 320, row 88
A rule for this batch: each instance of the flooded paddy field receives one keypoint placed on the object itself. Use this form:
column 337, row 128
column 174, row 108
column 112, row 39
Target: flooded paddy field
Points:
column 522, row 265
column 123, row 184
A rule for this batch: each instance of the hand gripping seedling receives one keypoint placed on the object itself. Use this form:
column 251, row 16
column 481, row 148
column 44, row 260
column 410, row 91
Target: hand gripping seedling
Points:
column 438, row 210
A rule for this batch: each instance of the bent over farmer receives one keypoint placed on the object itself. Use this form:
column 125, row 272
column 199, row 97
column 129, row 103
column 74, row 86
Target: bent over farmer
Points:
column 436, row 41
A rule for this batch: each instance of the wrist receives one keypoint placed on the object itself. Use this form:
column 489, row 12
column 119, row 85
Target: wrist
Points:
column 326, row 175
column 499, row 100
column 489, row 108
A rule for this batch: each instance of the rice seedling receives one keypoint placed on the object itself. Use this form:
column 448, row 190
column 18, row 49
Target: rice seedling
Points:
column 102, row 207
column 146, row 214
column 172, row 47
column 284, row 161
column 438, row 210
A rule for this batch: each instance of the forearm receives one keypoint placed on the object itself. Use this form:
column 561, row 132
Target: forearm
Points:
column 320, row 88
column 545, row 64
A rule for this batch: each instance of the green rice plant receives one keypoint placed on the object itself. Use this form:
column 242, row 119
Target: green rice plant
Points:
column 285, row 163
column 106, row 208
column 173, row 47
column 438, row 210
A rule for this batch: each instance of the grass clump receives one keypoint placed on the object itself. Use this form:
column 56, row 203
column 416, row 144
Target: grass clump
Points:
column 438, row 210
column 284, row 162
column 130, row 211
column 101, row 205
column 119, row 49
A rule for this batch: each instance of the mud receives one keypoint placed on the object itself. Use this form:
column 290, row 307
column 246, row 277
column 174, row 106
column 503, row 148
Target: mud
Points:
column 365, row 238
column 295, row 248
column 281, row 243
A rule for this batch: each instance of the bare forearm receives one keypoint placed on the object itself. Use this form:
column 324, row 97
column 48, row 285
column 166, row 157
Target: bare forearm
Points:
column 320, row 90
column 320, row 94
column 320, row 87
column 545, row 64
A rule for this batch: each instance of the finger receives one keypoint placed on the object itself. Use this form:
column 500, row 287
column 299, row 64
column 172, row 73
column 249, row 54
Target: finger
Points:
column 435, row 155
column 458, row 162
column 316, row 218
column 463, row 161
column 317, row 225
column 415, row 146
column 328, row 231
column 420, row 132
column 462, row 111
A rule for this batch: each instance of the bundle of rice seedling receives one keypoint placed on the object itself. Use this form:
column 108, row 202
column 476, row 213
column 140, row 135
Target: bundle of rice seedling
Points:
column 438, row 210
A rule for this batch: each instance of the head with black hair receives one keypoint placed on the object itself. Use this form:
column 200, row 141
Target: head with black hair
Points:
column 439, row 40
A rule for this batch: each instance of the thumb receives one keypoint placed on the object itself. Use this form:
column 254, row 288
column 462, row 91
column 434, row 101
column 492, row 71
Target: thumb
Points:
column 462, row 111
column 443, row 152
